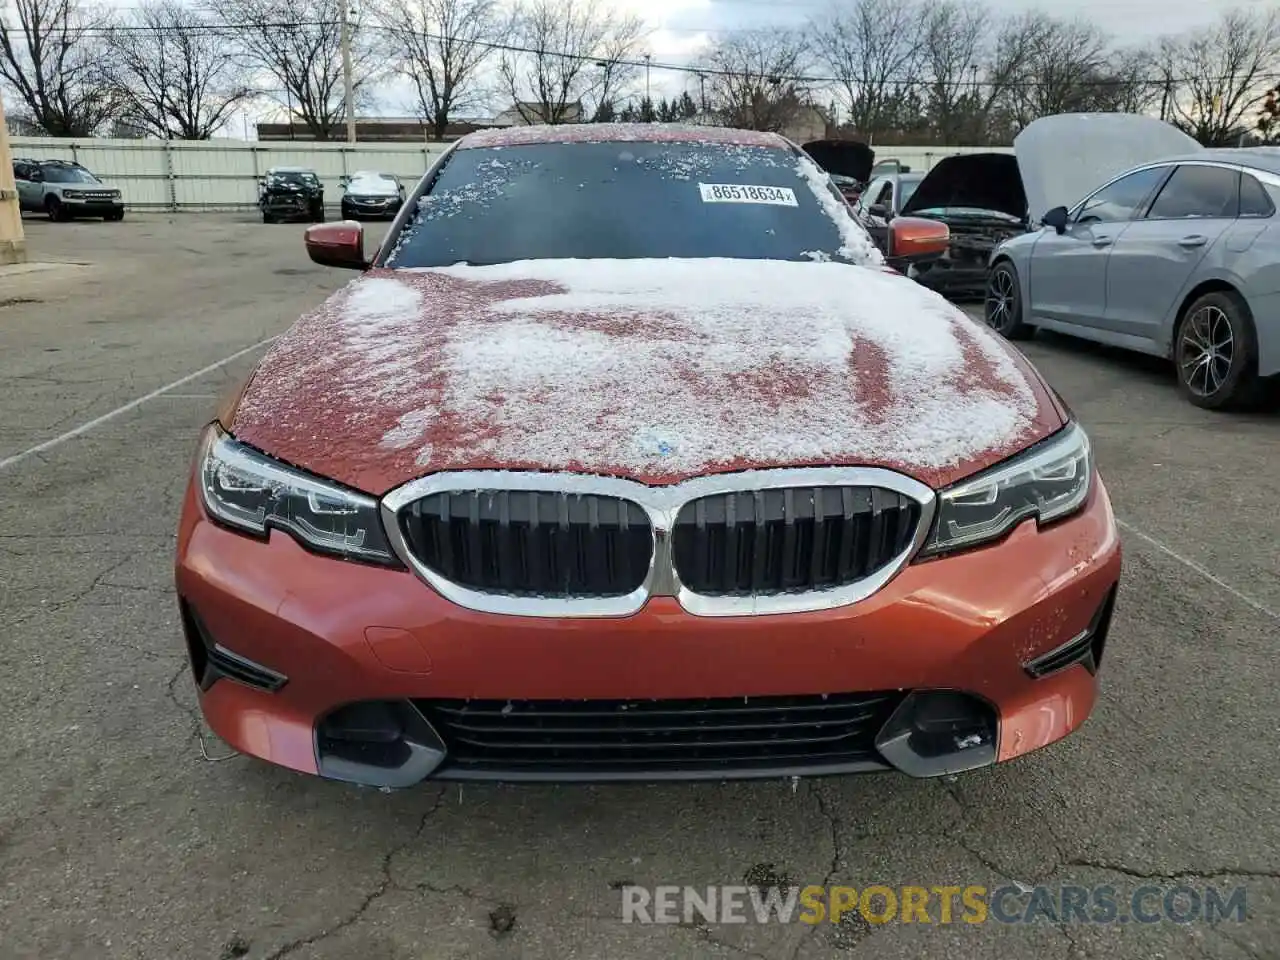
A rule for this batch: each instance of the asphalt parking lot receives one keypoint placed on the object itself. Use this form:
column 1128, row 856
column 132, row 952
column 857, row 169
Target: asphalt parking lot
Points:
column 119, row 837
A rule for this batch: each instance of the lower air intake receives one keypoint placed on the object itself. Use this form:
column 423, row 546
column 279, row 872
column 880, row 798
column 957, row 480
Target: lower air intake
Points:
column 657, row 739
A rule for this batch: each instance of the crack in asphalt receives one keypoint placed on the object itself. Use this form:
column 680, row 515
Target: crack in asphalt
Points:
column 75, row 597
column 1189, row 873
column 837, row 846
column 385, row 884
column 192, row 714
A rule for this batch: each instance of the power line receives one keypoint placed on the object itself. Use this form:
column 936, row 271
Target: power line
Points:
column 103, row 32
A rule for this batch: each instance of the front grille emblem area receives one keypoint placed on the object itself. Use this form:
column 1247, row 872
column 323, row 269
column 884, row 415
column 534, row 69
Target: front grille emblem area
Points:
column 742, row 544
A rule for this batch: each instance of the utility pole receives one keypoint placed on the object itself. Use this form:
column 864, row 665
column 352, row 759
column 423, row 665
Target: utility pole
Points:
column 647, row 58
column 347, row 84
column 13, row 246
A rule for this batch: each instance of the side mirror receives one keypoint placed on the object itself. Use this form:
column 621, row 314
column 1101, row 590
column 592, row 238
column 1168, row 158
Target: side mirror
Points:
column 344, row 180
column 339, row 244
column 37, row 176
column 1056, row 218
column 915, row 239
column 879, row 210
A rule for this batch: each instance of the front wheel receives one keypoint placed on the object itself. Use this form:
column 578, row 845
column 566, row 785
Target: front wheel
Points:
column 57, row 212
column 114, row 215
column 1003, row 306
column 1215, row 350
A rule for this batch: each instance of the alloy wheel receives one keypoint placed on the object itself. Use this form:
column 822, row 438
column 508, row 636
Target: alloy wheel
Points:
column 1205, row 350
column 1000, row 301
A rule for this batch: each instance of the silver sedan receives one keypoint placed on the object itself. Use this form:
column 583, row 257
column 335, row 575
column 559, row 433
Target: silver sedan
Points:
column 1179, row 258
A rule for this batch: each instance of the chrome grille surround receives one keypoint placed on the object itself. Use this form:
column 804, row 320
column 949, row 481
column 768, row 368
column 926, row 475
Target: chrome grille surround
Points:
column 662, row 505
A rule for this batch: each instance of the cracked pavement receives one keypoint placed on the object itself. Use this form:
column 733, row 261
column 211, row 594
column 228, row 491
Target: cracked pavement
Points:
column 127, row 831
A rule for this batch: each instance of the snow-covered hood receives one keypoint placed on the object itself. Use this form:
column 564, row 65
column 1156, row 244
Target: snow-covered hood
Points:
column 655, row 370
column 1065, row 157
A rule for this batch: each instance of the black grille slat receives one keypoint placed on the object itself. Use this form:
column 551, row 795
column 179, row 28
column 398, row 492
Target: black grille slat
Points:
column 596, row 736
column 796, row 539
column 536, row 543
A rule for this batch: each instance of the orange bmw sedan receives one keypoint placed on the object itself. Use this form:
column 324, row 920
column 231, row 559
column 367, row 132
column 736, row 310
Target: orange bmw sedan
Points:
column 628, row 456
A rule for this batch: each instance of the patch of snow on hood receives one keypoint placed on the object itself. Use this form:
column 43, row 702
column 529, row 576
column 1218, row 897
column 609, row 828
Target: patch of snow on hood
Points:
column 653, row 369
column 1064, row 158
column 684, row 364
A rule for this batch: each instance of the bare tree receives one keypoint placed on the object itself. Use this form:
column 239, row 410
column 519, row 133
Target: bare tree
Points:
column 297, row 43
column 755, row 77
column 171, row 72
column 52, row 59
column 440, row 46
column 870, row 47
column 954, row 35
column 1071, row 67
column 1212, row 80
column 569, row 50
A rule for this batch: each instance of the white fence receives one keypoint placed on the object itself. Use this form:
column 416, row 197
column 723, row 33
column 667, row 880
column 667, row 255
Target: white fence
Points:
column 220, row 174
column 223, row 174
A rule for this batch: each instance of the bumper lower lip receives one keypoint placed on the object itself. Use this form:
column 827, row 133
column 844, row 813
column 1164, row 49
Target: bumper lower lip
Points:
column 344, row 633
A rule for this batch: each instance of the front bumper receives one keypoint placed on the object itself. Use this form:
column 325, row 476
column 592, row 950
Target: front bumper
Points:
column 356, row 657
column 952, row 278
column 91, row 208
column 370, row 207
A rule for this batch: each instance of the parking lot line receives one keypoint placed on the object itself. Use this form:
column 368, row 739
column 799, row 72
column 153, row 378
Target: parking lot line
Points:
column 1198, row 568
column 132, row 404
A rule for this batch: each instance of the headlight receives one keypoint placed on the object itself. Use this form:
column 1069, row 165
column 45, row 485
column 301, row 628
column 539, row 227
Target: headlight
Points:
column 71, row 194
column 115, row 194
column 251, row 492
column 1048, row 482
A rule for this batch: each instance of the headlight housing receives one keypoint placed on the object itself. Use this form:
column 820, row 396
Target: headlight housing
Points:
column 1049, row 481
column 71, row 194
column 249, row 491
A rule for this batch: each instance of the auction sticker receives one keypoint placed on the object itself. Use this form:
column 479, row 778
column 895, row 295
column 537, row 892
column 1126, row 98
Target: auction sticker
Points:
column 747, row 193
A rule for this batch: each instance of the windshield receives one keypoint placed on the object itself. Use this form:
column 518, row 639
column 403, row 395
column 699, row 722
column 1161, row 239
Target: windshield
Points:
column 623, row 200
column 374, row 182
column 294, row 176
column 61, row 174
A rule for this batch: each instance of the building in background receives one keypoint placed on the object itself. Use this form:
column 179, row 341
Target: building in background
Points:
column 375, row 129
column 22, row 127
column 528, row 112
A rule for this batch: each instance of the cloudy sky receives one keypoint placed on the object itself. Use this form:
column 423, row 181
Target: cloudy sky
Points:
column 681, row 28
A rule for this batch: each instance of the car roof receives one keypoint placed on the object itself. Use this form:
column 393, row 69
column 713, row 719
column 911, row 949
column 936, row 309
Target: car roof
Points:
column 291, row 170
column 1261, row 158
column 619, row 132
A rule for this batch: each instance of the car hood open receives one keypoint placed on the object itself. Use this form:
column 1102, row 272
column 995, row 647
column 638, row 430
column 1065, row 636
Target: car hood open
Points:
column 1065, row 157
column 844, row 158
column 653, row 370
column 974, row 181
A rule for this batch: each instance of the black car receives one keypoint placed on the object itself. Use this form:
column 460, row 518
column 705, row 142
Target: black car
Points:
column 291, row 193
column 368, row 193
column 981, row 198
column 849, row 162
